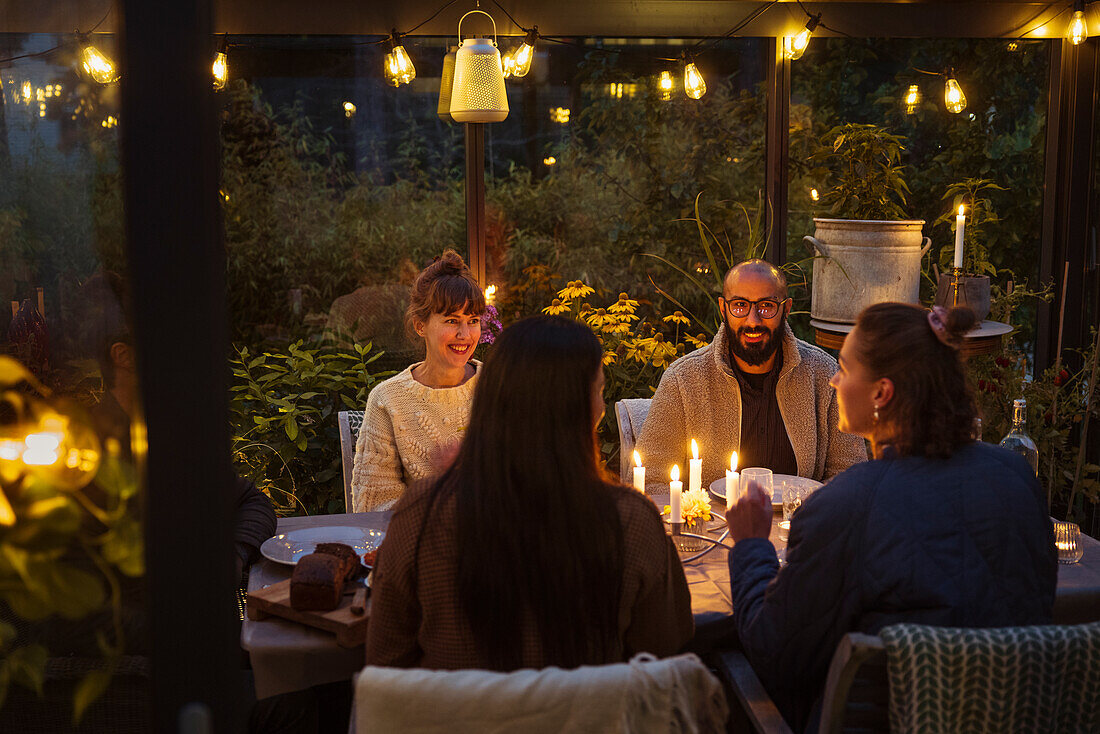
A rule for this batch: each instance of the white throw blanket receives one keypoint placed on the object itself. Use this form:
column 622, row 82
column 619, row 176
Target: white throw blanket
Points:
column 675, row 694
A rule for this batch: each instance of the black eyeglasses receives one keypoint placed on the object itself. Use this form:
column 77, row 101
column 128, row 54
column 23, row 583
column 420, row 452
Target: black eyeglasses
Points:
column 766, row 308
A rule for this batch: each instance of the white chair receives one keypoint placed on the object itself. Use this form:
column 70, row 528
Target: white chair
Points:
column 349, row 422
column 630, row 413
column 644, row 695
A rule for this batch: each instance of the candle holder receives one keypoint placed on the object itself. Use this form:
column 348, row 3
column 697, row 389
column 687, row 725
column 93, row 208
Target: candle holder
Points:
column 1067, row 539
column 689, row 537
column 956, row 278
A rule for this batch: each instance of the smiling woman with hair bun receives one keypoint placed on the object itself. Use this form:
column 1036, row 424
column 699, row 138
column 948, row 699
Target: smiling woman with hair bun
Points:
column 415, row 417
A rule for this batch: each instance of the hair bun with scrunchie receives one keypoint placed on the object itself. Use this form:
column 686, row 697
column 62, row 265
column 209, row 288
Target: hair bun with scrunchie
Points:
column 951, row 325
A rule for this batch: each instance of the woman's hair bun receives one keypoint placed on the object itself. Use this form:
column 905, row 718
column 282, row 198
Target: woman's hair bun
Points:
column 958, row 321
column 451, row 263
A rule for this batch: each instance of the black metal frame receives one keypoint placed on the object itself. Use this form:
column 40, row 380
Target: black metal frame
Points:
column 170, row 154
column 776, row 145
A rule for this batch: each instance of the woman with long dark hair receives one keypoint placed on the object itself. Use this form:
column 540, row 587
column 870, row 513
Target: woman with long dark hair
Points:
column 937, row 529
column 525, row 553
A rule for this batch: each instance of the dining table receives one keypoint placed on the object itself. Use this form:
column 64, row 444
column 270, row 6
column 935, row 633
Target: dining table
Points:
column 287, row 656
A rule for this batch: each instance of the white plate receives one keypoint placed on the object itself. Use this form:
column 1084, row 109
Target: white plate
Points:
column 718, row 486
column 289, row 547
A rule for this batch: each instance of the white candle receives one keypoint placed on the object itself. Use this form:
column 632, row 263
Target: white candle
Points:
column 732, row 481
column 675, row 487
column 695, row 469
column 960, row 226
column 639, row 473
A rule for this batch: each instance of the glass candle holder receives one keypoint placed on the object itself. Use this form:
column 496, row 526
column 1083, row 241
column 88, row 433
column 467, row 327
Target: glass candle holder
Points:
column 1067, row 539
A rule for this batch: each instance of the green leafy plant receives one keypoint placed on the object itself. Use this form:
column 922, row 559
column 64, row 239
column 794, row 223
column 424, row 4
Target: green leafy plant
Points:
column 863, row 164
column 282, row 408
column 981, row 217
column 69, row 534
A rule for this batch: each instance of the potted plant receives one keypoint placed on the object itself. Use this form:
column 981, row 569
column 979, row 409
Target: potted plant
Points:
column 973, row 194
column 871, row 252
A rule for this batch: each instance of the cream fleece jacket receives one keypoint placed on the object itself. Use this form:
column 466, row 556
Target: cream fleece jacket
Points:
column 699, row 397
column 403, row 424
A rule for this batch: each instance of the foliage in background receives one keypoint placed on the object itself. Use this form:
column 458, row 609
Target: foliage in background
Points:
column 69, row 533
column 861, row 164
column 282, row 409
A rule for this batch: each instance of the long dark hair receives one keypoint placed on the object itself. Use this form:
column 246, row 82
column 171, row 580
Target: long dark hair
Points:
column 539, row 536
column 932, row 412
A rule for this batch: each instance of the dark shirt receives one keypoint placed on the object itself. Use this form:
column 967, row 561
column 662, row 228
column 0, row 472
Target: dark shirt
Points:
column 764, row 439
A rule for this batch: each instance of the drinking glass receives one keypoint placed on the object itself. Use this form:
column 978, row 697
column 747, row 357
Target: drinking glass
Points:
column 793, row 494
column 1067, row 539
column 761, row 476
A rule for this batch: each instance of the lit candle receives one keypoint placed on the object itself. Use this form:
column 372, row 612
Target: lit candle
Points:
column 675, row 488
column 1066, row 545
column 639, row 473
column 732, row 485
column 695, row 469
column 960, row 225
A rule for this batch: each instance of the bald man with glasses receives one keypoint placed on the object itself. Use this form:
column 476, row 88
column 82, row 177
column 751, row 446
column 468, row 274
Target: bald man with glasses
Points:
column 754, row 389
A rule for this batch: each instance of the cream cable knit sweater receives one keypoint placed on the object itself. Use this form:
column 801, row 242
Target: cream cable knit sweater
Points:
column 403, row 424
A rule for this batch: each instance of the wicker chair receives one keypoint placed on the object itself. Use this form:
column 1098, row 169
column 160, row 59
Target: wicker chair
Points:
column 349, row 421
column 630, row 413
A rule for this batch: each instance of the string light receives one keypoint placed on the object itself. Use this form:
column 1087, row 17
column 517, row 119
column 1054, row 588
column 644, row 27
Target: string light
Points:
column 694, row 85
column 559, row 115
column 664, row 83
column 549, row 160
column 794, row 47
column 953, row 95
column 349, row 109
column 1078, row 29
column 912, row 99
column 220, row 68
column 398, row 67
column 100, row 68
column 814, row 196
column 518, row 62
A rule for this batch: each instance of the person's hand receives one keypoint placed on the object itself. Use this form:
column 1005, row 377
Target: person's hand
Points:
column 751, row 515
column 444, row 455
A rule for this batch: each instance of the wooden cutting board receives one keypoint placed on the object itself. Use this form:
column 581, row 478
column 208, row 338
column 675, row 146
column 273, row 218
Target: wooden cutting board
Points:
column 350, row 629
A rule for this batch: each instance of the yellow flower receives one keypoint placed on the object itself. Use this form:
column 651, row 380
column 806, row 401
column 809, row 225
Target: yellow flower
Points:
column 557, row 307
column 575, row 289
column 599, row 318
column 677, row 317
column 609, row 357
column 663, row 352
column 625, row 304
column 696, row 341
column 694, row 506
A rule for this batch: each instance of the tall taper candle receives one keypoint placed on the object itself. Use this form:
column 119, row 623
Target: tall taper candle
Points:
column 639, row 473
column 695, row 469
column 675, row 487
column 733, row 481
column 960, row 226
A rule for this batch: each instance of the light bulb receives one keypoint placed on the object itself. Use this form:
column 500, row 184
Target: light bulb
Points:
column 693, row 82
column 522, row 56
column 1078, row 29
column 349, row 109
column 664, row 83
column 814, row 196
column 398, row 66
column 549, row 161
column 912, row 99
column 795, row 46
column 953, row 96
column 98, row 66
column 508, row 65
column 221, row 70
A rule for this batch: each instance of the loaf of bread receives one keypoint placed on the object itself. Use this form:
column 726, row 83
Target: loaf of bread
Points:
column 347, row 555
column 317, row 582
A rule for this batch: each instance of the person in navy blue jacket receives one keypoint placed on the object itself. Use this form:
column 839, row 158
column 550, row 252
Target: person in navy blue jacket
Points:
column 936, row 529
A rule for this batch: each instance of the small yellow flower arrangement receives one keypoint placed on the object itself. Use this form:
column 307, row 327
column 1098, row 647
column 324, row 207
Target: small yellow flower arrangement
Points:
column 694, row 506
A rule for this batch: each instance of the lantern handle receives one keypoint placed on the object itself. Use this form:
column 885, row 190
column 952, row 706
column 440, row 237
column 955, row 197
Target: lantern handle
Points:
column 487, row 16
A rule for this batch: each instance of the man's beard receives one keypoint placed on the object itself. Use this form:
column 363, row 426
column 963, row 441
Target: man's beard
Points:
column 753, row 354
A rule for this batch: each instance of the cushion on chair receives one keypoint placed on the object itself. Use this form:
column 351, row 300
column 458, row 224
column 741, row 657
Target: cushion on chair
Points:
column 646, row 694
column 1012, row 679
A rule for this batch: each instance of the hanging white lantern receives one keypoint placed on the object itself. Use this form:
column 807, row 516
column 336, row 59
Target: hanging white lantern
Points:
column 446, row 83
column 478, row 93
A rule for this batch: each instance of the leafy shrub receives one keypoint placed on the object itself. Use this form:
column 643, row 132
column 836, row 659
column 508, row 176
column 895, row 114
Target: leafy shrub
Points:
column 282, row 409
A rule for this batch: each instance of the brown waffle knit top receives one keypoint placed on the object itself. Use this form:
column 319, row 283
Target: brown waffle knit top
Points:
column 417, row 619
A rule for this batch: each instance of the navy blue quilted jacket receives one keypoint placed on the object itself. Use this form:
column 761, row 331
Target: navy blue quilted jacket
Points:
column 960, row 542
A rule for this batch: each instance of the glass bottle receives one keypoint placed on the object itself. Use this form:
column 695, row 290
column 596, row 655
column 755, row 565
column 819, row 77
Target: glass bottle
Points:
column 1017, row 439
